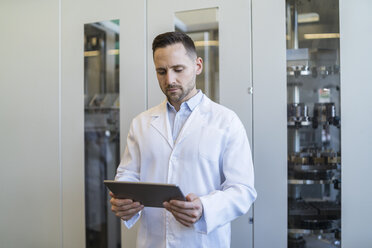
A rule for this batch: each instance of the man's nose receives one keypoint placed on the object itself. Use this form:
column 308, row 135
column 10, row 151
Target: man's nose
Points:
column 170, row 77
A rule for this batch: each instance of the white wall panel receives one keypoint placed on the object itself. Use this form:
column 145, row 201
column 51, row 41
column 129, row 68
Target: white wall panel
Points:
column 29, row 117
column 270, row 123
column 133, row 81
column 356, row 113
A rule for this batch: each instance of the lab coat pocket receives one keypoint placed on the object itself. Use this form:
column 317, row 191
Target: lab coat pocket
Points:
column 210, row 143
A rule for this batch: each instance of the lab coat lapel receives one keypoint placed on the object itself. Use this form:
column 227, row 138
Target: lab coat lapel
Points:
column 161, row 123
column 195, row 121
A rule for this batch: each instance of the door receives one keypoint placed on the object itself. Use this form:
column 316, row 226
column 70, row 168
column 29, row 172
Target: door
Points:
column 99, row 97
column 221, row 31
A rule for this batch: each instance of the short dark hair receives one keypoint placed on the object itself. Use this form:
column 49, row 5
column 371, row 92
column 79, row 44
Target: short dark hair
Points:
column 170, row 38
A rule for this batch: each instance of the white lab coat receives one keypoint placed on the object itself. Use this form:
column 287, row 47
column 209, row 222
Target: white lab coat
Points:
column 211, row 157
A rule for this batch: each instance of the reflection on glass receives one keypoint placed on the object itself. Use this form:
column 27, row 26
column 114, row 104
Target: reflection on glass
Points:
column 314, row 150
column 202, row 26
column 102, row 143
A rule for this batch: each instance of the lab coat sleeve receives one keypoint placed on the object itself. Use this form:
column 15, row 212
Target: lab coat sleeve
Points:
column 129, row 168
column 237, row 191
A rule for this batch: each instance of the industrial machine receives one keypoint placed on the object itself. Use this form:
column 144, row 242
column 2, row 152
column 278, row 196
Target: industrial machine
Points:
column 101, row 130
column 314, row 124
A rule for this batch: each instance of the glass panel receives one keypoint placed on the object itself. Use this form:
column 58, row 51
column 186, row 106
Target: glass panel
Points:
column 202, row 26
column 102, row 132
column 314, row 147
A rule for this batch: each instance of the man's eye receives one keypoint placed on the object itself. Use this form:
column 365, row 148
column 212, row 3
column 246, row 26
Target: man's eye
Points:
column 178, row 70
column 161, row 72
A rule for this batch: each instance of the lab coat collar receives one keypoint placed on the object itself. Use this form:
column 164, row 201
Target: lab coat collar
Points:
column 161, row 123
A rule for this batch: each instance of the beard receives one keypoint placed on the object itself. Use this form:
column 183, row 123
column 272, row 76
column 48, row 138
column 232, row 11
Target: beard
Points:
column 179, row 95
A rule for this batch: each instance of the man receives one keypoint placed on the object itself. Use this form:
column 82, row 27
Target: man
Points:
column 190, row 141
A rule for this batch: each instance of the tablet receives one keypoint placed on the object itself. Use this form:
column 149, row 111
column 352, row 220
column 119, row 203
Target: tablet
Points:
column 148, row 194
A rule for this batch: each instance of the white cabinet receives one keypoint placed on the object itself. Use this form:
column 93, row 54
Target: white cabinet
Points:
column 356, row 135
column 269, row 123
column 74, row 15
column 225, row 26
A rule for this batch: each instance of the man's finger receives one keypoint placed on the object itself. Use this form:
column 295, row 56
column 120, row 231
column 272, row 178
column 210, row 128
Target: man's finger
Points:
column 128, row 213
column 120, row 202
column 127, row 217
column 191, row 197
column 193, row 213
column 191, row 209
column 183, row 219
column 125, row 207
column 184, row 223
column 191, row 219
column 182, row 204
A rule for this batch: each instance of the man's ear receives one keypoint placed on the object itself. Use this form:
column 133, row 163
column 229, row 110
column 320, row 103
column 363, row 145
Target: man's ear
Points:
column 199, row 65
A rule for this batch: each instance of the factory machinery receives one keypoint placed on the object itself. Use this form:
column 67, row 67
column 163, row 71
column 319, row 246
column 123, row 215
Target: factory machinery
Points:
column 101, row 130
column 314, row 128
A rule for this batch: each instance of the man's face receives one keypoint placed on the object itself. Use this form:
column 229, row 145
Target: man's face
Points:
column 176, row 72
